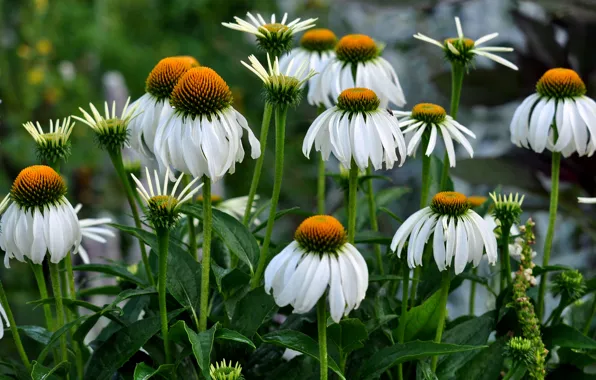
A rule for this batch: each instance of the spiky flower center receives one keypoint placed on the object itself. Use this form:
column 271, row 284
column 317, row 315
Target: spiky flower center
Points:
column 37, row 186
column 507, row 209
column 355, row 48
column 461, row 44
column 358, row 100
column 429, row 113
column 164, row 76
column 321, row 234
column 275, row 28
column 463, row 50
column 162, row 212
column 226, row 371
column 201, row 91
column 276, row 39
column 318, row 40
column 560, row 83
column 450, row 203
column 570, row 284
column 477, row 200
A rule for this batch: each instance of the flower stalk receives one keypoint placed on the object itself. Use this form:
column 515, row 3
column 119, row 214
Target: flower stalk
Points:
column 163, row 237
column 505, row 260
column 404, row 310
column 374, row 223
column 457, row 81
column 13, row 328
column 206, row 261
column 43, row 294
column 57, row 290
column 352, row 198
column 445, row 282
column 322, row 332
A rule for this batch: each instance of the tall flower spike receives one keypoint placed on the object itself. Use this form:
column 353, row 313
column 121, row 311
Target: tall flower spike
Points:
column 39, row 218
column 93, row 229
column 463, row 50
column 358, row 63
column 201, row 133
column 273, row 37
column 507, row 209
column 426, row 120
column 459, row 234
column 281, row 88
column 558, row 117
column 158, row 87
column 53, row 145
column 357, row 129
column 163, row 207
column 110, row 129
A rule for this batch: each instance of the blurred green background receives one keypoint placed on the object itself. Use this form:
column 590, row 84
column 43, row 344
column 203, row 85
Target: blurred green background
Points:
column 56, row 56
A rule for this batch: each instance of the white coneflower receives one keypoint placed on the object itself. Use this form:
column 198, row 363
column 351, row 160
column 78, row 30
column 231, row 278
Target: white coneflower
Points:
column 357, row 129
column 54, row 144
column 426, row 120
column 39, row 219
column 201, row 134
column 558, row 117
column 110, row 129
column 158, row 87
column 586, row 200
column 273, row 37
column 317, row 47
column 460, row 235
column 358, row 63
column 317, row 259
column 163, row 206
column 93, row 229
column 463, row 50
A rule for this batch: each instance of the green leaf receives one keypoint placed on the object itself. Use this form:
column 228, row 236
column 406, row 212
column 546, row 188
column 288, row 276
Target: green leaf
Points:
column 278, row 215
column 109, row 290
column 388, row 196
column 422, row 320
column 538, row 270
column 202, row 344
column 39, row 372
column 121, row 346
column 388, row 357
column 37, row 333
column 144, row 372
column 227, row 334
column 567, row 336
column 111, row 270
column 71, row 304
column 300, row 342
column 349, row 334
column 252, row 311
column 486, row 364
column 424, row 371
column 384, row 277
column 183, row 279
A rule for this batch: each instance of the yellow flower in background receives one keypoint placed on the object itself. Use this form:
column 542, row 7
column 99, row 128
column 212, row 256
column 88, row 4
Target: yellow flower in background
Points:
column 44, row 46
column 24, row 51
column 35, row 76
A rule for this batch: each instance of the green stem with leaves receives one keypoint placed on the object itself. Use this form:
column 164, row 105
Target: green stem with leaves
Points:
column 206, row 261
column 552, row 218
column 281, row 112
column 43, row 293
column 352, row 201
column 445, row 281
column 404, row 309
column 116, row 157
column 57, row 290
column 374, row 224
column 505, row 260
column 322, row 330
column 13, row 328
column 163, row 239
column 457, row 81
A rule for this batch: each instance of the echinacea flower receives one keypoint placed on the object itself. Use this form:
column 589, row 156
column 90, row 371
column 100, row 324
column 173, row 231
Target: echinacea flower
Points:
column 93, row 228
column 158, row 87
column 358, row 63
column 163, row 206
column 54, row 144
column 318, row 259
column 426, row 120
column 477, row 200
column 507, row 209
column 281, row 88
column 317, row 48
column 357, row 129
column 459, row 234
column 201, row 134
column 110, row 129
column 463, row 50
column 558, row 117
column 273, row 37
column 39, row 219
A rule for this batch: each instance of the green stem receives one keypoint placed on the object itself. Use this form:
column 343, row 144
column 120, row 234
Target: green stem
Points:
column 457, row 81
column 43, row 293
column 505, row 260
column 57, row 290
column 472, row 302
column 404, row 309
column 192, row 233
column 267, row 111
column 14, row 329
column 374, row 224
column 280, row 135
column 116, row 157
column 71, row 315
column 322, row 328
column 511, row 372
column 445, row 280
column 548, row 244
column 163, row 237
column 206, row 261
column 352, row 197
column 321, row 187
column 589, row 320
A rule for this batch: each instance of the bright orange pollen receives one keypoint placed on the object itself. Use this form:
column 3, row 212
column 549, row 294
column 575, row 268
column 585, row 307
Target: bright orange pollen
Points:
column 428, row 109
column 450, row 198
column 477, row 200
column 166, row 73
column 561, row 83
column 356, row 42
column 358, row 94
column 35, row 177
column 321, row 234
column 560, row 76
column 201, row 91
column 319, row 39
column 468, row 43
column 37, row 186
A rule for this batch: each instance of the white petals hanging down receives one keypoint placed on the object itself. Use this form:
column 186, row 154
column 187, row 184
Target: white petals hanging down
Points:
column 586, row 200
column 315, row 61
column 143, row 128
column 3, row 320
column 93, row 229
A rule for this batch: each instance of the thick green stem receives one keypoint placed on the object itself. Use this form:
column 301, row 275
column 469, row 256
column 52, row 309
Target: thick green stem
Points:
column 322, row 328
column 445, row 280
column 71, row 315
column 206, row 260
column 404, row 308
column 457, row 81
column 548, row 243
column 57, row 290
column 280, row 136
column 192, row 233
column 505, row 260
column 591, row 317
column 352, row 198
column 511, row 371
column 472, row 301
column 116, row 157
column 13, row 328
column 374, row 224
column 267, row 111
column 163, row 237
column 321, row 186
column 43, row 293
